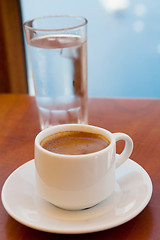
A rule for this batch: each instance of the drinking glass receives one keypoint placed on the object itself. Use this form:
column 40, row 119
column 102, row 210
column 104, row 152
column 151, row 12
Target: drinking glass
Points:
column 57, row 47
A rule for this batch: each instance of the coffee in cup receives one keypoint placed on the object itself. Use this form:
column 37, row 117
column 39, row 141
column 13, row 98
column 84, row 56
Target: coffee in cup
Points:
column 74, row 142
column 75, row 180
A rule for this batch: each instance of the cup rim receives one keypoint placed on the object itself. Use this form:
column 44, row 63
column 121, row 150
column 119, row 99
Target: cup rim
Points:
column 39, row 138
column 85, row 21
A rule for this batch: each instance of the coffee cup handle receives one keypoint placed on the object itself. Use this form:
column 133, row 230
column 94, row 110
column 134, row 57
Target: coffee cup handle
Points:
column 128, row 148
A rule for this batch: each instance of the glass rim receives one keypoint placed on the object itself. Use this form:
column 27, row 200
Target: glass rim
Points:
column 85, row 21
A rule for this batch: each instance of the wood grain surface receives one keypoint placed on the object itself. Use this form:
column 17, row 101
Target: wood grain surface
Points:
column 139, row 118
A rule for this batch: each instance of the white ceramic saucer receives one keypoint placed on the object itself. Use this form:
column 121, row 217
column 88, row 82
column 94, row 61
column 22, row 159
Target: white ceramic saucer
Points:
column 132, row 193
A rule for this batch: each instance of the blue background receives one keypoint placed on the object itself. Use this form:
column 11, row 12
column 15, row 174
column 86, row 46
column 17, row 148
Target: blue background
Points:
column 123, row 43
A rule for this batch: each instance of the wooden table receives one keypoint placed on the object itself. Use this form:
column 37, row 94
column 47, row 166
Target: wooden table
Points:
column 138, row 118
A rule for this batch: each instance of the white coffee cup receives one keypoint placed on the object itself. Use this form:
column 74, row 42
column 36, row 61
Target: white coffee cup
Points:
column 77, row 182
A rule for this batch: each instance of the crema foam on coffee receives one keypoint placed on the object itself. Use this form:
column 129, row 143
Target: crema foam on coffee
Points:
column 74, row 142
